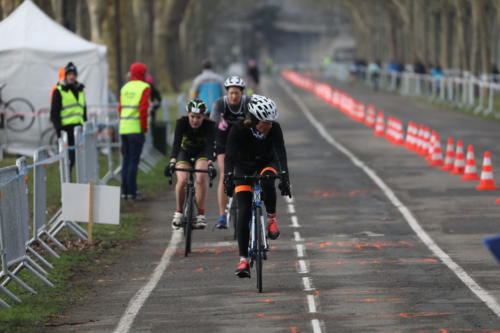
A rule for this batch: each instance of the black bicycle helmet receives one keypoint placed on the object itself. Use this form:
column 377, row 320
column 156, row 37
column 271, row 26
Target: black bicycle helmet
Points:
column 196, row 106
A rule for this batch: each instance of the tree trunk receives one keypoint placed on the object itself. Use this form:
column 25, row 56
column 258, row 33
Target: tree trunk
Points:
column 461, row 38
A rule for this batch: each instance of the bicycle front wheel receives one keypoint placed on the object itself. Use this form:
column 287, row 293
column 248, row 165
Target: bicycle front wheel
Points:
column 20, row 114
column 260, row 247
column 188, row 223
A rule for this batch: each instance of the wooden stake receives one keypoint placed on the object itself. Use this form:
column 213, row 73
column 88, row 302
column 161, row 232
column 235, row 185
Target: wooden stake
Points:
column 91, row 210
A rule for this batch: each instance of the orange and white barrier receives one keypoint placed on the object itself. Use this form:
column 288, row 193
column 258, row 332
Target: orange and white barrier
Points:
column 379, row 125
column 370, row 116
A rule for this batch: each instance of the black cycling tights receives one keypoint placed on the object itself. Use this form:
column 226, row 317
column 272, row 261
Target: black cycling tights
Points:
column 244, row 199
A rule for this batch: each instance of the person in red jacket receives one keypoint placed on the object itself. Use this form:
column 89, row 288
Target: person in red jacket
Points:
column 133, row 113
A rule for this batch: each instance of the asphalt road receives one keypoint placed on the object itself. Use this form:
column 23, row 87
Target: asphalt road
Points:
column 372, row 242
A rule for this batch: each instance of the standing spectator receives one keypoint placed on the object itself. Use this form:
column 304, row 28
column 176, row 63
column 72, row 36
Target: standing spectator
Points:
column 374, row 73
column 68, row 109
column 437, row 75
column 253, row 77
column 155, row 99
column 207, row 86
column 133, row 112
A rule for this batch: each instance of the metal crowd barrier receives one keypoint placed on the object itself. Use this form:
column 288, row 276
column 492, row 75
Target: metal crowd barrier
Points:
column 455, row 88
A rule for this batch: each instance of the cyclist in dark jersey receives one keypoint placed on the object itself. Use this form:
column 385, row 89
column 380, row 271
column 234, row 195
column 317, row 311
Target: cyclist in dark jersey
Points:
column 255, row 145
column 194, row 138
column 225, row 112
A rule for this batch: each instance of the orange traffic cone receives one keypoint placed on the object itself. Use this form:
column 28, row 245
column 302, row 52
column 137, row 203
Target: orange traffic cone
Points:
column 370, row 116
column 437, row 155
column 410, row 136
column 470, row 172
column 431, row 146
column 424, row 149
column 379, row 125
column 449, row 157
column 420, row 139
column 398, row 132
column 487, row 182
column 459, row 164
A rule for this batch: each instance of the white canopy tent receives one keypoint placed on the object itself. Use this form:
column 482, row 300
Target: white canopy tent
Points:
column 32, row 49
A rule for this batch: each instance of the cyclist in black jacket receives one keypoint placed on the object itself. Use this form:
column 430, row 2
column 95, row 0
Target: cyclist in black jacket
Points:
column 194, row 138
column 225, row 112
column 255, row 145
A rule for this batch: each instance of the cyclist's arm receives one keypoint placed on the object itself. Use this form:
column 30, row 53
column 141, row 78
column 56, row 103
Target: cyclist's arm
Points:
column 143, row 109
column 179, row 131
column 217, row 110
column 208, row 152
column 232, row 145
column 279, row 145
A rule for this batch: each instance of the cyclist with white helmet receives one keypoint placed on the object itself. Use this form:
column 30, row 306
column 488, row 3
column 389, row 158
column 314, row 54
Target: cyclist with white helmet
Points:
column 255, row 145
column 225, row 112
column 193, row 138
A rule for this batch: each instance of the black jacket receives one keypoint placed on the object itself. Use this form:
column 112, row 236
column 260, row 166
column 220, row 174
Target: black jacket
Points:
column 56, row 106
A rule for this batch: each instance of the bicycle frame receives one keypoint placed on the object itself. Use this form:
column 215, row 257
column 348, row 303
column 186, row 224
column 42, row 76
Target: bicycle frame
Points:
column 257, row 217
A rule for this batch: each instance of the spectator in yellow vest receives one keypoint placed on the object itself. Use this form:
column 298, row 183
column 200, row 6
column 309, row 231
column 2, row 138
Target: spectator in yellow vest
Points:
column 68, row 108
column 133, row 111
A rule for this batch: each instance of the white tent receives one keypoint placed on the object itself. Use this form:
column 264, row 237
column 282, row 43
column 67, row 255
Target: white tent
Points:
column 32, row 49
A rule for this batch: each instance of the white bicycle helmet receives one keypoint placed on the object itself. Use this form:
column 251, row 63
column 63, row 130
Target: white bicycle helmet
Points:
column 263, row 108
column 234, row 81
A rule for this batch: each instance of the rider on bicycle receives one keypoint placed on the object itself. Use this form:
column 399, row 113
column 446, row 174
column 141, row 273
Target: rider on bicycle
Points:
column 194, row 138
column 226, row 111
column 255, row 145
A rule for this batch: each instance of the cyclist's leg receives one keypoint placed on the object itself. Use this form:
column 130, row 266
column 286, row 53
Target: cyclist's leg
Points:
column 221, row 196
column 269, row 198
column 201, row 183
column 182, row 178
column 243, row 195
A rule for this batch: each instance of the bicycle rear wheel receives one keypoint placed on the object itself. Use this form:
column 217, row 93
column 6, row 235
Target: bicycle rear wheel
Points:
column 260, row 248
column 188, row 222
column 20, row 114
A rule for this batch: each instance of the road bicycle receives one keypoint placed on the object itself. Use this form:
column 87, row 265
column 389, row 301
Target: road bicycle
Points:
column 190, row 207
column 18, row 113
column 258, row 246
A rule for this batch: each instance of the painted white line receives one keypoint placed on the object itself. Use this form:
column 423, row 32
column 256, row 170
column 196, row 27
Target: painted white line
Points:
column 289, row 200
column 308, row 285
column 483, row 295
column 316, row 326
column 297, row 237
column 142, row 295
column 295, row 221
column 301, row 249
column 291, row 209
column 311, row 304
column 303, row 269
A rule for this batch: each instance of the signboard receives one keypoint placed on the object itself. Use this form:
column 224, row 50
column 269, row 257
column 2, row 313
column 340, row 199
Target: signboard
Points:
column 106, row 203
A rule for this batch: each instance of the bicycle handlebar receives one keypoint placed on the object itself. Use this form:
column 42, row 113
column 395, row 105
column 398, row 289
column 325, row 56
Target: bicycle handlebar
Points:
column 259, row 177
column 191, row 170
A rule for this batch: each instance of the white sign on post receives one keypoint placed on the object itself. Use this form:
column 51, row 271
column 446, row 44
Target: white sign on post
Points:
column 106, row 203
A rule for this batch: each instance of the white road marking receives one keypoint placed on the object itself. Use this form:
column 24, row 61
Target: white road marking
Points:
column 303, row 269
column 308, row 285
column 311, row 303
column 296, row 236
column 295, row 221
column 316, row 326
column 371, row 234
column 291, row 209
column 300, row 250
column 142, row 295
column 482, row 294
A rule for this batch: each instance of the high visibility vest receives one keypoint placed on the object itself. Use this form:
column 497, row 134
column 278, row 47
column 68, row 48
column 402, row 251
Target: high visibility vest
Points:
column 130, row 98
column 72, row 109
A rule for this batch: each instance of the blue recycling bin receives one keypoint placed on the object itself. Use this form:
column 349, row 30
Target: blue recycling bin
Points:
column 492, row 243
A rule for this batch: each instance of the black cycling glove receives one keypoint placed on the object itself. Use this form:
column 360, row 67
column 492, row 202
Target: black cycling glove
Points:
column 212, row 171
column 228, row 184
column 169, row 169
column 284, row 186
